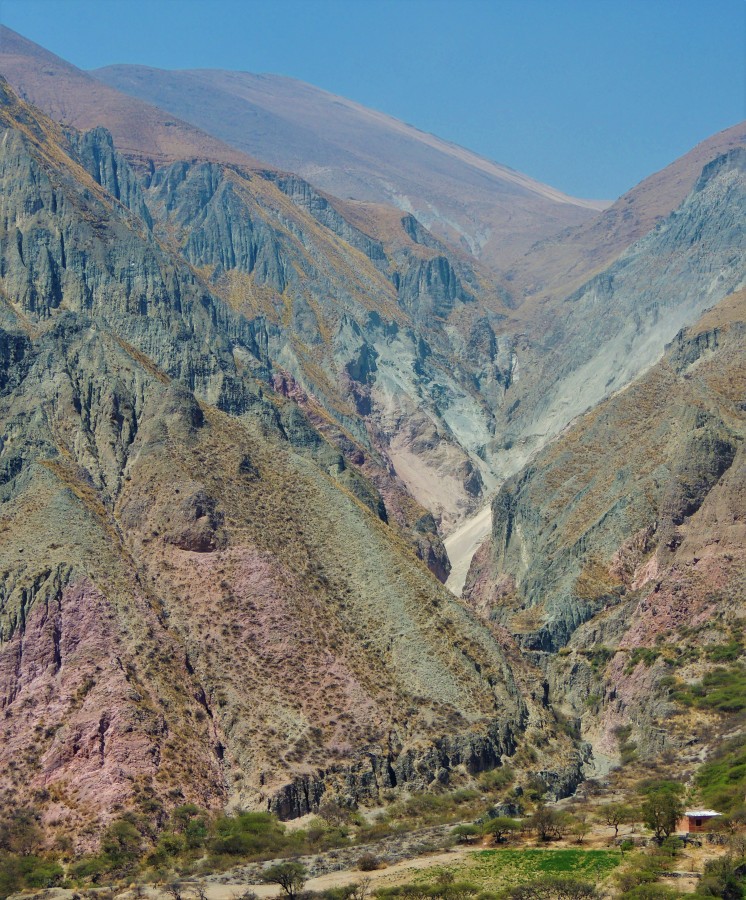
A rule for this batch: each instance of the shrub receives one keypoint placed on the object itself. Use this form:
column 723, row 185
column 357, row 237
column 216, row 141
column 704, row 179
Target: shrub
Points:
column 368, row 862
column 554, row 889
column 722, row 780
column 497, row 779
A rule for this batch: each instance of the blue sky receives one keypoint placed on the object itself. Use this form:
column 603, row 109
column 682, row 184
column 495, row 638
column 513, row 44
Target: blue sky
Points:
column 589, row 96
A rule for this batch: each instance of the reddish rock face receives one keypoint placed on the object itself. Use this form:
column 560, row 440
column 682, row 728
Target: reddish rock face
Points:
column 80, row 731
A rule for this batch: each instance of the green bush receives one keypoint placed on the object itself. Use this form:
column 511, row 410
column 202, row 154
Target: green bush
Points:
column 722, row 780
column 38, row 872
column 497, row 779
column 722, row 690
column 27, row 872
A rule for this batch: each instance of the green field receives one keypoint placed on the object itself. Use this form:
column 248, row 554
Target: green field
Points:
column 495, row 869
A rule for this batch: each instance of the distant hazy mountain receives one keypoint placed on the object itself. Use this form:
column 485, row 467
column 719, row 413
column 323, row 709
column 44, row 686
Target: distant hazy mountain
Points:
column 556, row 267
column 348, row 150
column 71, row 96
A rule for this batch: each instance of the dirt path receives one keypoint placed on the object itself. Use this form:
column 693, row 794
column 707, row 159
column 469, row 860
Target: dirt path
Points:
column 393, row 874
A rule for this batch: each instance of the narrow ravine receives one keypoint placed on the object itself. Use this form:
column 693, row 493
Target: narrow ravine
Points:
column 463, row 543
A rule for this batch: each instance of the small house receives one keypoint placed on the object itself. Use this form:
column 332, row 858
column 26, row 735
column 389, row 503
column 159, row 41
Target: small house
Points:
column 695, row 820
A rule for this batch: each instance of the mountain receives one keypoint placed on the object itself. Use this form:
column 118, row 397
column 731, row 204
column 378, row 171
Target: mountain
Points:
column 185, row 610
column 464, row 388
column 237, row 412
column 349, row 151
column 73, row 97
column 414, row 351
column 601, row 337
column 556, row 267
column 388, row 333
column 616, row 557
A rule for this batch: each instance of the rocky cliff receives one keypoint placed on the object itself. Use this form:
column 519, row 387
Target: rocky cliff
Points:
column 185, row 610
column 617, row 555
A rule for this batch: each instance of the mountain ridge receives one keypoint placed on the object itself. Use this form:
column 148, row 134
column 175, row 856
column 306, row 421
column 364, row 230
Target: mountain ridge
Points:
column 77, row 99
column 350, row 151
column 197, row 580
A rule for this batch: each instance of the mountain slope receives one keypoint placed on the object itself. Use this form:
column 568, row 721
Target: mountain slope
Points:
column 366, row 324
column 616, row 325
column 185, row 613
column 72, row 97
column 348, row 150
column 556, row 267
column 622, row 545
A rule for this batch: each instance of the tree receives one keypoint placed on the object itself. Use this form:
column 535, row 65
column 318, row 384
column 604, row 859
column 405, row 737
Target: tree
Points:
column 20, row 831
column 554, row 889
column 723, row 877
column 662, row 808
column 616, row 814
column 550, row 824
column 500, row 827
column 174, row 890
column 289, row 876
column 580, row 827
column 121, row 843
column 465, row 834
column 542, row 822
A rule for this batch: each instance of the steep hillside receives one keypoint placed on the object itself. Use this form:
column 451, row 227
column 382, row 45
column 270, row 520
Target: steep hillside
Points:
column 350, row 151
column 554, row 268
column 185, row 610
column 616, row 325
column 406, row 350
column 388, row 333
column 75, row 98
column 622, row 547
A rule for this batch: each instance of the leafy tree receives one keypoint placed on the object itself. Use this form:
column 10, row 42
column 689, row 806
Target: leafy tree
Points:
column 662, row 808
column 549, row 824
column 465, row 834
column 121, row 842
column 500, row 827
column 616, row 814
column 20, row 831
column 542, row 822
column 724, row 877
column 289, row 876
column 580, row 827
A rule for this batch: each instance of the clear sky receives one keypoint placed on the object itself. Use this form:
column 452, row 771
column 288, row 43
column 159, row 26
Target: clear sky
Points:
column 589, row 96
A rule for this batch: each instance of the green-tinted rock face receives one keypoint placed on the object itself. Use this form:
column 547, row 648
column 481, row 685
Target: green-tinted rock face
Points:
column 625, row 537
column 209, row 589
